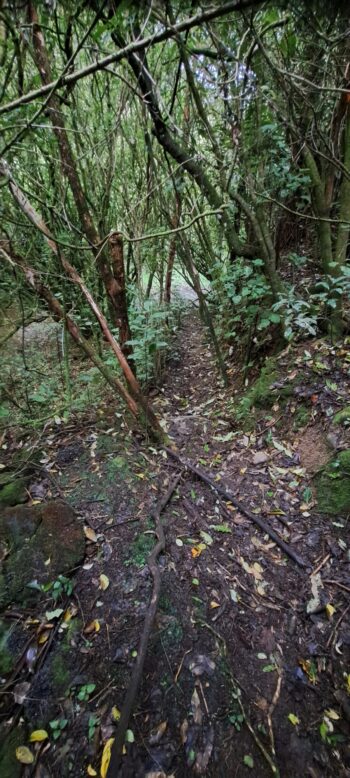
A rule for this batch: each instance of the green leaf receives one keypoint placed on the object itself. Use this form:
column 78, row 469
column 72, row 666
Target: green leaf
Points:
column 53, row 614
column 221, row 527
column 293, row 719
column 206, row 537
column 248, row 761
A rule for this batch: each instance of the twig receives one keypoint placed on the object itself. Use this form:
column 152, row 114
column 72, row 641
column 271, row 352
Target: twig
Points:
column 271, row 710
column 332, row 636
column 258, row 742
column 337, row 583
column 320, row 565
column 133, row 687
column 230, row 498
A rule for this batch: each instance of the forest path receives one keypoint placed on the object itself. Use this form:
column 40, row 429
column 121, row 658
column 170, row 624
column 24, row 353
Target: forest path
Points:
column 235, row 667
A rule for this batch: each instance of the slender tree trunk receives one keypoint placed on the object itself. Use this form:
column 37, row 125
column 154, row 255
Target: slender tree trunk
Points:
column 344, row 201
column 34, row 281
column 182, row 155
column 117, row 258
column 322, row 211
column 172, row 252
column 146, row 413
column 70, row 171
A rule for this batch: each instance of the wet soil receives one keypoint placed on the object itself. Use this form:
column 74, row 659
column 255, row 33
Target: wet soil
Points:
column 247, row 670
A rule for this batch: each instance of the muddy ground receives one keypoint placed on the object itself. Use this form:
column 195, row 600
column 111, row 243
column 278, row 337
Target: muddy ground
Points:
column 247, row 670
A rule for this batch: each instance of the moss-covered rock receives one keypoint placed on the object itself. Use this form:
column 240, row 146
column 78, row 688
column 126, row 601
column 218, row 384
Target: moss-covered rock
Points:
column 332, row 485
column 342, row 417
column 44, row 541
column 14, row 493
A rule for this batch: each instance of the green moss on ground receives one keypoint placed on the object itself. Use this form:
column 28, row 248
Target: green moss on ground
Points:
column 6, row 657
column 302, row 416
column 342, row 416
column 259, row 395
column 14, row 493
column 332, row 485
column 9, row 765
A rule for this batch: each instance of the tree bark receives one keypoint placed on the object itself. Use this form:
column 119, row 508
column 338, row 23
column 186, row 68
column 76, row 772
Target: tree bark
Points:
column 117, row 258
column 70, row 171
column 145, row 411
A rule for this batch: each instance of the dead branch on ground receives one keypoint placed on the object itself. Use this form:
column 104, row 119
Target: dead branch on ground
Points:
column 133, row 687
column 229, row 497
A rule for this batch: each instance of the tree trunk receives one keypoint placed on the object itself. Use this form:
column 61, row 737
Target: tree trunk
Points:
column 146, row 413
column 34, row 281
column 70, row 171
column 172, row 251
column 117, row 258
column 321, row 211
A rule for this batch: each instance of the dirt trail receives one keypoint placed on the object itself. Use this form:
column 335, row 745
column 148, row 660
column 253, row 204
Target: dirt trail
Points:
column 238, row 675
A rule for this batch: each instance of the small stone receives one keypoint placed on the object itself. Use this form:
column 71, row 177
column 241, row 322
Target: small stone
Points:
column 260, row 458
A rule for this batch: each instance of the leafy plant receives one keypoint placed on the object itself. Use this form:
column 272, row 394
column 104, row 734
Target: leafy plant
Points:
column 57, row 726
column 85, row 691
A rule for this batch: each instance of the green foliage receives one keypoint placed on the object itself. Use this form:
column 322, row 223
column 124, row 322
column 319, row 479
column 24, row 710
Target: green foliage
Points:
column 240, row 294
column 57, row 726
column 153, row 326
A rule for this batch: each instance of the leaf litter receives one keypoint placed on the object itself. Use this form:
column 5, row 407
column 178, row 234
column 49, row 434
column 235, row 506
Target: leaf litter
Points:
column 233, row 616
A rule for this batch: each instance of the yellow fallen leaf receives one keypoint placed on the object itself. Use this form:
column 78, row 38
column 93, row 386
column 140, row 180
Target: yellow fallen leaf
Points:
column 43, row 637
column 71, row 611
column 116, row 714
column 330, row 610
column 332, row 714
column 92, row 626
column 104, row 582
column 106, row 757
column 90, row 534
column 38, row 736
column 23, row 755
column 214, row 604
column 90, row 770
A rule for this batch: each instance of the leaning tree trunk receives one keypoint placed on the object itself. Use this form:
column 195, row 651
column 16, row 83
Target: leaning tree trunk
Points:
column 145, row 411
column 70, row 171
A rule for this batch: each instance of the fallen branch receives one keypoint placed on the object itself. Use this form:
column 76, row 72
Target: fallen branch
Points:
column 133, row 687
column 228, row 496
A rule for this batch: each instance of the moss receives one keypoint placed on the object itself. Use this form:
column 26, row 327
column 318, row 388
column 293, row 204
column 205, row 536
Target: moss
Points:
column 9, row 765
column 332, row 485
column 141, row 549
column 259, row 395
column 6, row 658
column 14, row 493
column 301, row 417
column 59, row 671
column 342, row 416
